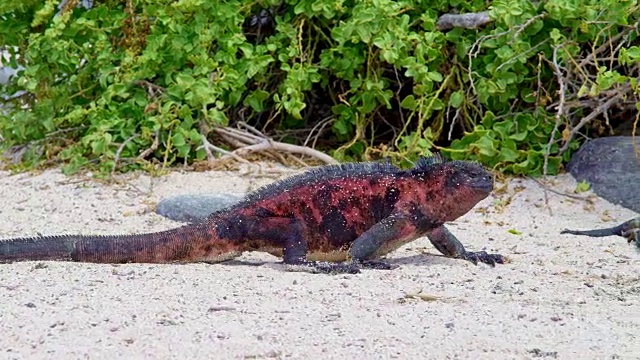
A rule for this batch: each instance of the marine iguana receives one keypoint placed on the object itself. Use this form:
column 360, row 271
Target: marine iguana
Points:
column 629, row 229
column 331, row 219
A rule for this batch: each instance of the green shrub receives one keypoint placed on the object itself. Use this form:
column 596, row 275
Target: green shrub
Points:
column 134, row 77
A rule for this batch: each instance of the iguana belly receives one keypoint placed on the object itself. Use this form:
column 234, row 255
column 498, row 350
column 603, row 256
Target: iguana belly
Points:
column 332, row 256
column 343, row 255
column 393, row 245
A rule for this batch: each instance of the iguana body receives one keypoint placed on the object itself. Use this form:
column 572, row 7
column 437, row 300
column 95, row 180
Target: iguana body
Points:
column 335, row 218
column 628, row 229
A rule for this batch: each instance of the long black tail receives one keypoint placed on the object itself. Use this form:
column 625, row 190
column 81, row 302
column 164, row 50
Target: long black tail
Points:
column 38, row 248
column 617, row 230
column 629, row 229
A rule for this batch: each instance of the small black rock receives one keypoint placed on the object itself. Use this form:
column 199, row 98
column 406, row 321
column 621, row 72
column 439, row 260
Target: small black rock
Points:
column 190, row 208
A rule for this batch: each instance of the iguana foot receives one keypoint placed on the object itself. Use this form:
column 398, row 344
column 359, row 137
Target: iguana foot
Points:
column 375, row 264
column 632, row 235
column 322, row 267
column 484, row 257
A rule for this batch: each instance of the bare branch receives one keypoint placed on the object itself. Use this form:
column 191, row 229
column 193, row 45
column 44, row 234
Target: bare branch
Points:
column 251, row 129
column 252, row 140
column 209, row 146
column 119, row 151
column 636, row 150
column 278, row 146
column 151, row 87
column 599, row 110
column 242, row 137
column 154, row 146
column 319, row 127
column 607, row 44
column 547, row 188
column 560, row 110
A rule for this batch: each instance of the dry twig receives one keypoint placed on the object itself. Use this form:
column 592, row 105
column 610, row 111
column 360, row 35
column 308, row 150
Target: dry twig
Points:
column 320, row 128
column 560, row 110
column 633, row 137
column 606, row 45
column 547, row 188
column 599, row 110
column 152, row 88
column 119, row 151
column 209, row 146
column 154, row 146
column 250, row 139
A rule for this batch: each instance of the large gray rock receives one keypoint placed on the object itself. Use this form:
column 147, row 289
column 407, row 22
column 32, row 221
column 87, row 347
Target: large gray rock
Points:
column 190, row 208
column 610, row 165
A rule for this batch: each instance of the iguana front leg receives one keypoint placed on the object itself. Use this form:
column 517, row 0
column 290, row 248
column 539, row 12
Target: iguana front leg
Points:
column 395, row 231
column 385, row 236
column 628, row 229
column 450, row 246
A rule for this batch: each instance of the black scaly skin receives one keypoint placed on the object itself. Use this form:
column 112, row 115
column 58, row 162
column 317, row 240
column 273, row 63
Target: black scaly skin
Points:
column 630, row 230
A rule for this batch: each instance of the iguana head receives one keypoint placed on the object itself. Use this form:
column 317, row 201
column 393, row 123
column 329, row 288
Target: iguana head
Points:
column 453, row 187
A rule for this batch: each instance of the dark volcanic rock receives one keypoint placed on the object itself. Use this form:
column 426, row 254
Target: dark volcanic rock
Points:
column 189, row 208
column 610, row 165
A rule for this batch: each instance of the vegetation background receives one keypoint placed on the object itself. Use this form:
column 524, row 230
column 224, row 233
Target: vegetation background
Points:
column 116, row 85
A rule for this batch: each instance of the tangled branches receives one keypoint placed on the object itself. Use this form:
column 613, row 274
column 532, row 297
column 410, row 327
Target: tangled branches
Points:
column 247, row 139
column 590, row 87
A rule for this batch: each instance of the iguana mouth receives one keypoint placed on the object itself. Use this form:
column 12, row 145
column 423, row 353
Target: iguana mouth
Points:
column 482, row 185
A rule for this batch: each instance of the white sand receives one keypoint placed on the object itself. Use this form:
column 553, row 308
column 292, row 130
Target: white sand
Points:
column 561, row 295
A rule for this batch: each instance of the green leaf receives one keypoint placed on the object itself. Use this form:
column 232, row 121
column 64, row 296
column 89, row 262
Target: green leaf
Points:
column 630, row 55
column 556, row 36
column 178, row 139
column 185, row 81
column 217, row 117
column 435, row 76
column 582, row 186
column 409, row 103
column 256, row 100
column 456, row 99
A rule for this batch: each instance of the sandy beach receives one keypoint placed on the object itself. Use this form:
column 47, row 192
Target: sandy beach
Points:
column 561, row 296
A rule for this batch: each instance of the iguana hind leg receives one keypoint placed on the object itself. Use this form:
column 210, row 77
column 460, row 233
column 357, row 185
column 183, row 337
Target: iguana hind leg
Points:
column 295, row 259
column 288, row 233
column 450, row 246
column 632, row 235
